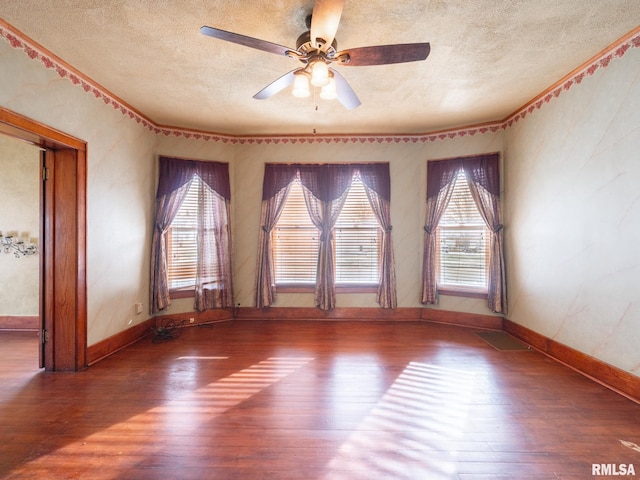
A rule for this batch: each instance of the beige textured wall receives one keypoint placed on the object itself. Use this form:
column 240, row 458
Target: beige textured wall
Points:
column 573, row 216
column 20, row 194
column 120, row 185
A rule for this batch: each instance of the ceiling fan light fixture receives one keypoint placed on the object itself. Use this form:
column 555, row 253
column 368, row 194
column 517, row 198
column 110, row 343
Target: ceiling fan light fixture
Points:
column 301, row 85
column 316, row 49
column 329, row 91
column 319, row 73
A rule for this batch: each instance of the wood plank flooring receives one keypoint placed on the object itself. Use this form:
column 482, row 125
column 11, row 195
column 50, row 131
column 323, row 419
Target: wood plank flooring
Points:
column 310, row 400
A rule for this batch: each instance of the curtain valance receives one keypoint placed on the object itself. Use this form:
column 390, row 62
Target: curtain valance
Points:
column 176, row 172
column 326, row 182
column 482, row 169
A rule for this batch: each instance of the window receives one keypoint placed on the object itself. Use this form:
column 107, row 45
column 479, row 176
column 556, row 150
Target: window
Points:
column 461, row 255
column 357, row 239
column 295, row 241
column 360, row 251
column 191, row 244
column 462, row 239
column 181, row 241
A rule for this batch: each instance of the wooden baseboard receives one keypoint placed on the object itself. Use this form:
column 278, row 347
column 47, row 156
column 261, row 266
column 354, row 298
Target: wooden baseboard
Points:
column 611, row 377
column 312, row 313
column 127, row 337
column 20, row 322
column 117, row 342
column 199, row 318
column 476, row 320
column 368, row 313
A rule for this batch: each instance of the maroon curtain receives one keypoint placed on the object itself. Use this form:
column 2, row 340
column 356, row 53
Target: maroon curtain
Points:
column 325, row 190
column 167, row 206
column 377, row 184
column 441, row 177
column 483, row 177
column 325, row 187
column 175, row 176
column 275, row 188
column 213, row 283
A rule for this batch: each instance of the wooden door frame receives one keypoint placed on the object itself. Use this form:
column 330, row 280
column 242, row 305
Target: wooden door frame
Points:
column 63, row 246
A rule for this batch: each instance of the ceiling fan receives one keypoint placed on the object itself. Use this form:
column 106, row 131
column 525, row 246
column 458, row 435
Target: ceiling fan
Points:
column 317, row 49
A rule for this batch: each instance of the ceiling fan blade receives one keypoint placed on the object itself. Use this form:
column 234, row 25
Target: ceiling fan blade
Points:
column 244, row 40
column 384, row 54
column 346, row 96
column 324, row 22
column 277, row 85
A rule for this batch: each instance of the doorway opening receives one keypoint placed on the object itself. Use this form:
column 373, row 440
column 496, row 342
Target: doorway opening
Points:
column 62, row 242
column 20, row 266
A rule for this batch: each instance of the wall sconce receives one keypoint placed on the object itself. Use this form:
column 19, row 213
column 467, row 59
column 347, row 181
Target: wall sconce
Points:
column 19, row 246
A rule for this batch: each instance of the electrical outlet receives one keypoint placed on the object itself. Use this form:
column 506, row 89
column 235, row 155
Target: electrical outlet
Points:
column 138, row 308
column 192, row 320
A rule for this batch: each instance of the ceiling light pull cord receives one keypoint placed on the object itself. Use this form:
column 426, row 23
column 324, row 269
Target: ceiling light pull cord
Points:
column 315, row 99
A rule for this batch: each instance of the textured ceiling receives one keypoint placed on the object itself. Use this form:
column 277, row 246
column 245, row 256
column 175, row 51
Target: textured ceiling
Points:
column 488, row 58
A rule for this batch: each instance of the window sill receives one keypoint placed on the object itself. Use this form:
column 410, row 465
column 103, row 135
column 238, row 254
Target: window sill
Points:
column 182, row 293
column 463, row 292
column 356, row 288
column 339, row 288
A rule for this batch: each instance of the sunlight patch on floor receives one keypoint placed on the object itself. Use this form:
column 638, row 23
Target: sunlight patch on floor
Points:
column 417, row 422
column 201, row 358
column 177, row 417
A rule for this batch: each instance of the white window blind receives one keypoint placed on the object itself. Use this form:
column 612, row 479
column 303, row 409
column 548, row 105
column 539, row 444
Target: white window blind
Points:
column 357, row 238
column 295, row 241
column 182, row 241
column 463, row 241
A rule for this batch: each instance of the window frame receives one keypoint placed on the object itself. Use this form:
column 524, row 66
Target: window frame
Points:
column 456, row 289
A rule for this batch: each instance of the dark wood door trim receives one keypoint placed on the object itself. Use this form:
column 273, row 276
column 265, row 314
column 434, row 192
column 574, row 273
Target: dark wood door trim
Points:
column 63, row 246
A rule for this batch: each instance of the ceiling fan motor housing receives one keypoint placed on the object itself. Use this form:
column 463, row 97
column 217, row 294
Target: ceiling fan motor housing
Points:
column 305, row 45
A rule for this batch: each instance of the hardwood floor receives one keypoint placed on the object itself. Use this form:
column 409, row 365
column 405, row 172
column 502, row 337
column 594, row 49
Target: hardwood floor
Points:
column 311, row 400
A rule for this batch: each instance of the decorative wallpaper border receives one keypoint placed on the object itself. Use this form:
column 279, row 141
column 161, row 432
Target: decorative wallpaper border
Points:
column 603, row 60
column 37, row 52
